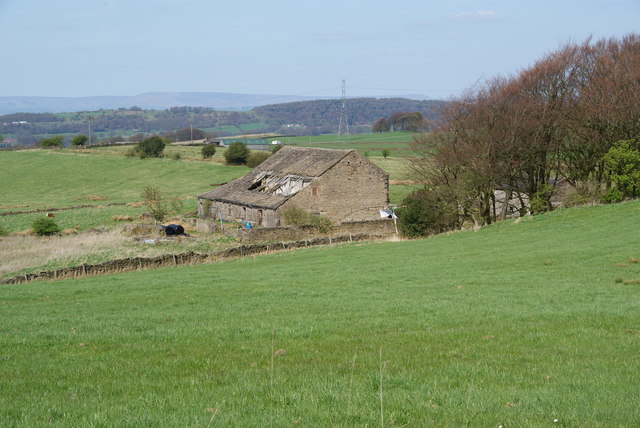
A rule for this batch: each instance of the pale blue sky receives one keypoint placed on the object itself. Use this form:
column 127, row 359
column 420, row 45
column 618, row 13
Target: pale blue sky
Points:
column 293, row 47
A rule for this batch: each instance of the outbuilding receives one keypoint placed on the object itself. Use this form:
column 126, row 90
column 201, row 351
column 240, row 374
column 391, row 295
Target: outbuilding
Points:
column 341, row 185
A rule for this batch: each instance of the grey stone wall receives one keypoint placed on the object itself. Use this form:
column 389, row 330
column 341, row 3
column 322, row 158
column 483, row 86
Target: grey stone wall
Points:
column 231, row 212
column 377, row 228
column 353, row 190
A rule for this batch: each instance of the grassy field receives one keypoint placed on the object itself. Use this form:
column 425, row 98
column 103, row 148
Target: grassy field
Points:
column 398, row 143
column 59, row 178
column 518, row 324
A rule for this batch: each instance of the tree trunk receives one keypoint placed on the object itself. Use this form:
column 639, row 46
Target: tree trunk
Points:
column 505, row 205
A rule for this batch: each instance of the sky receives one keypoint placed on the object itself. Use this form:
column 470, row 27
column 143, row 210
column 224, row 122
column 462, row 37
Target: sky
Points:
column 434, row 48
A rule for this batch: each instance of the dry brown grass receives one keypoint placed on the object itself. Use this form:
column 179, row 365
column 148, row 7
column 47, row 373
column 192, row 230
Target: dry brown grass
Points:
column 25, row 253
column 93, row 198
column 19, row 252
column 122, row 218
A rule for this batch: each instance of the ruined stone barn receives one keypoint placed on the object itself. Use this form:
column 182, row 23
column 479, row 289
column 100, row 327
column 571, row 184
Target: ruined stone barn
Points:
column 341, row 185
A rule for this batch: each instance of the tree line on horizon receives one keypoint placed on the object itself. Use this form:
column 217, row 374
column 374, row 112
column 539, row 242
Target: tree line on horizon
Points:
column 297, row 118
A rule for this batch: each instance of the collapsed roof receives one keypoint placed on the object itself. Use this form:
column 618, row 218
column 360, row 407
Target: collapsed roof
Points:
column 277, row 179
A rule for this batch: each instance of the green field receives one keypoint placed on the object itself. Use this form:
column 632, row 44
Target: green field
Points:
column 38, row 179
column 398, row 143
column 518, row 324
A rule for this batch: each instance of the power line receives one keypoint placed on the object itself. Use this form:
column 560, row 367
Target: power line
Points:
column 343, row 112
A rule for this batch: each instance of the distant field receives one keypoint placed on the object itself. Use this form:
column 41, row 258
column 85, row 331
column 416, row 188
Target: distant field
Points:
column 60, row 178
column 398, row 143
column 518, row 324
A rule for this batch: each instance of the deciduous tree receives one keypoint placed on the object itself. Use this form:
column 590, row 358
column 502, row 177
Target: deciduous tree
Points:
column 237, row 153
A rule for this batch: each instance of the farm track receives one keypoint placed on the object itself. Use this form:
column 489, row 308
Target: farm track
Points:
column 188, row 258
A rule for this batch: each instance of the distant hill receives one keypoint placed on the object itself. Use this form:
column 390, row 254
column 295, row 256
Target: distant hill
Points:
column 323, row 116
column 147, row 101
column 311, row 117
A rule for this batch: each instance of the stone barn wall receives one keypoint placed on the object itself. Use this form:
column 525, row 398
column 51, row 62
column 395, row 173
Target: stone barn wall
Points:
column 376, row 228
column 258, row 216
column 352, row 190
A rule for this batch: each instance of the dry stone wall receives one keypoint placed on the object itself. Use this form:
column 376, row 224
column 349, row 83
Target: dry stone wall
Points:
column 189, row 258
column 377, row 228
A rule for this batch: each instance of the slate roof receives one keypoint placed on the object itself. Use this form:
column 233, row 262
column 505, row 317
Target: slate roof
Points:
column 303, row 162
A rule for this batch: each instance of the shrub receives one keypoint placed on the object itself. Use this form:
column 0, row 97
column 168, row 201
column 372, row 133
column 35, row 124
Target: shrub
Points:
column 613, row 196
column 79, row 140
column 323, row 224
column 255, row 158
column 540, row 201
column 154, row 199
column 158, row 203
column 176, row 156
column 425, row 212
column 584, row 193
column 49, row 143
column 3, row 231
column 623, row 162
column 385, row 153
column 44, row 226
column 236, row 153
column 131, row 152
column 275, row 147
column 208, row 151
column 295, row 216
column 151, row 147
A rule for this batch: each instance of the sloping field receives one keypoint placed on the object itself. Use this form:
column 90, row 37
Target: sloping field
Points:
column 518, row 324
column 42, row 179
column 59, row 178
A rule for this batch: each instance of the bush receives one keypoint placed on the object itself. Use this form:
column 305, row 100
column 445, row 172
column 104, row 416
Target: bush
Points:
column 208, row 151
column 613, row 196
column 425, row 212
column 275, row 147
column 176, row 156
column 3, row 231
column 623, row 162
column 323, row 224
column 51, row 143
column 79, row 140
column 295, row 216
column 131, row 152
column 541, row 200
column 151, row 147
column 44, row 226
column 158, row 203
column 237, row 153
column 256, row 158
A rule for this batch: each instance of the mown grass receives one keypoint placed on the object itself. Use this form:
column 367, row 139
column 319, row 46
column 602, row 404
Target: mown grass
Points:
column 517, row 324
